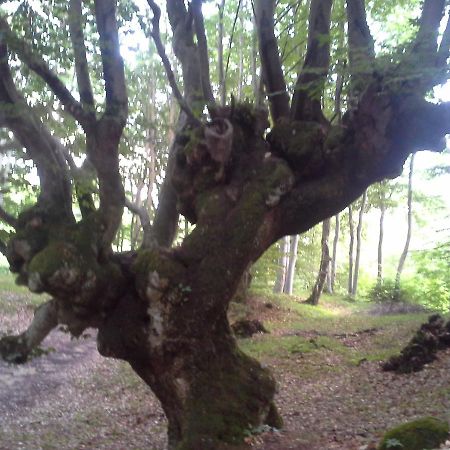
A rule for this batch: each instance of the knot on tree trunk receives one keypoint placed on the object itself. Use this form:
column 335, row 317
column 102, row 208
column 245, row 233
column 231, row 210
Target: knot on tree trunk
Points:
column 63, row 259
column 218, row 157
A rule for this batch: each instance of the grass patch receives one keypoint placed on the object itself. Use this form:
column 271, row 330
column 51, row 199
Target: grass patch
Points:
column 336, row 325
column 12, row 296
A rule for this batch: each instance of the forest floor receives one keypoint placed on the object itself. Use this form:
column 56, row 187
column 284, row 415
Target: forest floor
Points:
column 332, row 391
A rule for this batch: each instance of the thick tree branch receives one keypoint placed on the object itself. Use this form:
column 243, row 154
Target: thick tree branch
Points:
column 41, row 68
column 41, row 146
column 165, row 60
column 273, row 76
column 361, row 46
column 79, row 50
column 102, row 140
column 306, row 102
column 425, row 43
column 113, row 68
column 166, row 217
column 376, row 139
column 202, row 50
column 16, row 349
column 444, row 47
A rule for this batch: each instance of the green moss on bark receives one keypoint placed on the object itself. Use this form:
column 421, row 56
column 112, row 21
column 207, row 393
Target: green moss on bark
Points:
column 161, row 271
column 227, row 401
column 297, row 142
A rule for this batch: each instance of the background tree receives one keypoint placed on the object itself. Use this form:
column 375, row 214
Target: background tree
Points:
column 162, row 308
column 404, row 254
column 359, row 230
column 313, row 299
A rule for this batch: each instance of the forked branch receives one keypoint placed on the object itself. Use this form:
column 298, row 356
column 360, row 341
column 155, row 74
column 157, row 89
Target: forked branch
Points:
column 37, row 64
column 79, row 50
column 426, row 40
column 306, row 102
column 113, row 68
column 41, row 146
column 361, row 46
column 202, row 50
column 155, row 33
column 273, row 76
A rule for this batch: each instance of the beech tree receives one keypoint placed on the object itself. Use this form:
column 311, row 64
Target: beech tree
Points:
column 162, row 308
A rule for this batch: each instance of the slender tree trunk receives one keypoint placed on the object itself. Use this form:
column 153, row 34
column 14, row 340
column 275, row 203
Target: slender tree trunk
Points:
column 135, row 225
column 290, row 275
column 380, row 245
column 358, row 244
column 257, row 85
column 335, row 245
column 404, row 254
column 350, row 250
column 220, row 62
column 328, row 289
column 313, row 299
column 282, row 266
column 241, row 58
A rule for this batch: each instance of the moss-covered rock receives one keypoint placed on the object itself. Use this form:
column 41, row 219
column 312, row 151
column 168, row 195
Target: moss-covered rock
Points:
column 425, row 433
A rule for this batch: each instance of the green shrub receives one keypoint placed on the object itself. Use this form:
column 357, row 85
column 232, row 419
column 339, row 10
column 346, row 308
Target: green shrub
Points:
column 420, row 434
column 384, row 292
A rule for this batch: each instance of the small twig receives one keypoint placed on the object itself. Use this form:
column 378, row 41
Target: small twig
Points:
column 155, row 33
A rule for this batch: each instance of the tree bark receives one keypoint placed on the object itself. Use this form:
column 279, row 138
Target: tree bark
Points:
column 404, row 254
column 282, row 266
column 380, row 245
column 220, row 62
column 214, row 388
column 292, row 260
column 350, row 250
column 358, row 244
column 313, row 299
column 335, row 246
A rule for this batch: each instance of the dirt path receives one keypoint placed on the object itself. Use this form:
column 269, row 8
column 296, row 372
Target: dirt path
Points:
column 22, row 386
column 72, row 398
